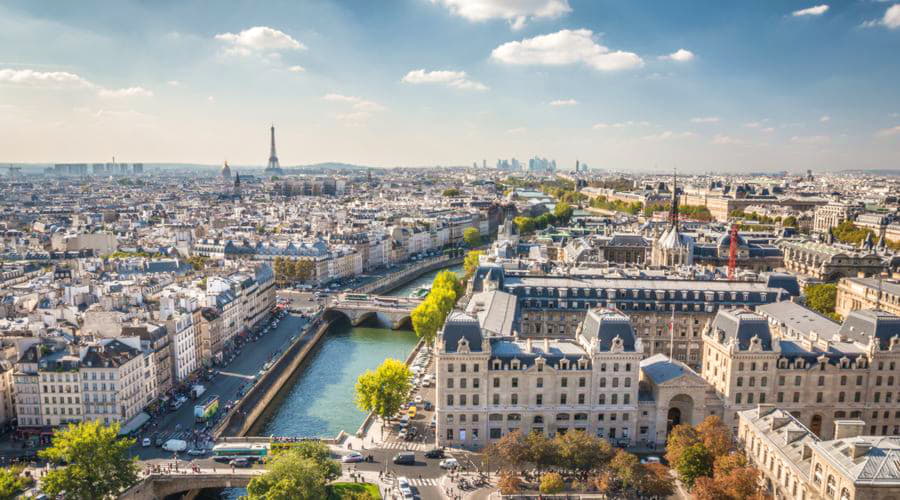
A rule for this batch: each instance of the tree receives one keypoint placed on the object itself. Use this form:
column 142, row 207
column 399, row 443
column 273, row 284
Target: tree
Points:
column 512, row 449
column 682, row 436
column 740, row 483
column 451, row 192
column 524, row 225
column 289, row 475
column 384, row 390
column 316, row 451
column 707, row 488
column 626, row 468
column 790, row 221
column 581, row 451
column 715, row 436
column 695, row 461
column 509, row 483
column 443, row 298
column 470, row 263
column 472, row 237
column 821, row 297
column 656, row 481
column 12, row 483
column 427, row 320
column 724, row 464
column 448, row 280
column 552, row 482
column 99, row 465
column 541, row 450
column 563, row 211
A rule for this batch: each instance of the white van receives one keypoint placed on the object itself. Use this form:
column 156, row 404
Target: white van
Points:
column 175, row 445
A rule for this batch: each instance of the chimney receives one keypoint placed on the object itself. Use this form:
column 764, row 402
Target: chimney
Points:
column 859, row 448
column 528, row 345
column 848, row 428
column 546, row 346
column 764, row 409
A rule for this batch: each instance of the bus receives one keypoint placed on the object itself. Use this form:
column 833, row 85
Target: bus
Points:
column 205, row 410
column 240, row 450
column 356, row 296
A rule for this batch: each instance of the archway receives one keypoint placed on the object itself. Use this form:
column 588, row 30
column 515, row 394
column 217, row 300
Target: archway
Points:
column 672, row 419
column 683, row 406
column 815, row 425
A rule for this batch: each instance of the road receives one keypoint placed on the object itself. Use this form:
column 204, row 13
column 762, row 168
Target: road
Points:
column 231, row 378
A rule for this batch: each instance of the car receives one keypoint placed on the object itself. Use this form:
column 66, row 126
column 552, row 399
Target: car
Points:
column 435, row 453
column 196, row 452
column 433, row 423
column 449, row 463
column 405, row 458
column 652, row 459
column 403, row 433
column 240, row 462
column 223, row 460
column 418, row 400
column 427, row 405
column 353, row 457
column 146, row 442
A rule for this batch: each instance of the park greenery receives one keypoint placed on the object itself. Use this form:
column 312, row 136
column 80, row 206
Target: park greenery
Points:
column 451, row 193
column 429, row 315
column 384, row 390
column 290, row 270
column 577, row 461
column 98, row 462
column 851, row 234
column 470, row 263
column 472, row 237
column 301, row 471
column 122, row 254
column 692, row 212
column 708, row 464
column 822, row 298
column 603, row 203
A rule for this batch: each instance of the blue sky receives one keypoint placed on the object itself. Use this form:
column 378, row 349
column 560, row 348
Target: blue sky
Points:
column 719, row 86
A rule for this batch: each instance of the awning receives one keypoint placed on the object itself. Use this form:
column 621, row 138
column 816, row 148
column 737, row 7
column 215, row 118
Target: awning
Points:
column 135, row 423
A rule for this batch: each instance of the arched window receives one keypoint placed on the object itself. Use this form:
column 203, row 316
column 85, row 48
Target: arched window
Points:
column 538, row 419
column 562, row 416
column 830, row 486
column 845, row 494
column 817, row 475
column 514, row 417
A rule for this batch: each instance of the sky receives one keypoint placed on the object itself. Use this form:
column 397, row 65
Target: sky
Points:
column 627, row 85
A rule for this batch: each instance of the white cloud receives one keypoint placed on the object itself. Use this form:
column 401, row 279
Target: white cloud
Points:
column 54, row 79
column 356, row 103
column 888, row 132
column 258, row 39
column 174, row 83
column 455, row 79
column 564, row 102
column 211, row 99
column 296, row 69
column 566, row 47
column 126, row 92
column 680, row 55
column 516, row 12
column 726, row 140
column 517, row 130
column 753, row 124
column 668, row 134
column 825, row 119
column 768, row 130
column 601, row 126
column 818, row 10
column 810, row 139
column 891, row 19
column 705, row 119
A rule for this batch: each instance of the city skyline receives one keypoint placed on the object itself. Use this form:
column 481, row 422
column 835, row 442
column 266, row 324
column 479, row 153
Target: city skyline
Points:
column 624, row 86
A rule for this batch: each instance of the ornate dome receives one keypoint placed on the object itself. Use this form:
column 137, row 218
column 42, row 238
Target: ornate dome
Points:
column 226, row 171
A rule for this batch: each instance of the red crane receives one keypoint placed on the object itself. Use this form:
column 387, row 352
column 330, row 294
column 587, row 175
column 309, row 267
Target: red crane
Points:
column 732, row 252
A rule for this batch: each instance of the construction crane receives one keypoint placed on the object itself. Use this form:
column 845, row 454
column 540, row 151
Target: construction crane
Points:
column 732, row 251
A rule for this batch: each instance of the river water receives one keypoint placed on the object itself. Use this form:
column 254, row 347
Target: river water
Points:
column 321, row 402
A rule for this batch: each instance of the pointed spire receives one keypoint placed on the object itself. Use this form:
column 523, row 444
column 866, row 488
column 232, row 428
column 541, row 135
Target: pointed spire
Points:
column 673, row 210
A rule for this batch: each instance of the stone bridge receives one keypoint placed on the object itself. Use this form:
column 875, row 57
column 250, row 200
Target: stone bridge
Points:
column 394, row 311
column 161, row 485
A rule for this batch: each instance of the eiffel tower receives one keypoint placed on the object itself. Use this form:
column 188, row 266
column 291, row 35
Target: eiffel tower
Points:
column 273, row 168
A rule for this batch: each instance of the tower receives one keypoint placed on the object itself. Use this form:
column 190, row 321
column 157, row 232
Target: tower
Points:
column 237, row 185
column 273, row 167
column 673, row 209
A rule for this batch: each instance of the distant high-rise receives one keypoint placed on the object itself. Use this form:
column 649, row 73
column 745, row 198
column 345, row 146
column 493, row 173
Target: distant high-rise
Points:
column 273, row 167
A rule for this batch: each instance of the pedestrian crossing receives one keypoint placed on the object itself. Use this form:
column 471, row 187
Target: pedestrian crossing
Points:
column 406, row 445
column 428, row 481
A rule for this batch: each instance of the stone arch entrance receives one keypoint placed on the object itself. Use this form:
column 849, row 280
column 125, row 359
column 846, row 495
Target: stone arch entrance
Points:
column 681, row 411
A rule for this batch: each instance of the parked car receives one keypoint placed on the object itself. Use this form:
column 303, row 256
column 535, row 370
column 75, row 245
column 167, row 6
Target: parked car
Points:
column 196, row 452
column 449, row 463
column 405, row 458
column 435, row 453
column 404, row 486
column 146, row 442
column 652, row 459
column 353, row 457
column 240, row 462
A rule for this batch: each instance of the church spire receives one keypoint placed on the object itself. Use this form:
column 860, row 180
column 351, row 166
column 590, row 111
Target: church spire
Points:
column 673, row 209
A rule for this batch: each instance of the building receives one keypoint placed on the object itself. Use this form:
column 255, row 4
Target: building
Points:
column 831, row 215
column 816, row 372
column 112, row 379
column 796, row 464
column 826, row 262
column 489, row 386
column 555, row 306
column 673, row 248
column 867, row 293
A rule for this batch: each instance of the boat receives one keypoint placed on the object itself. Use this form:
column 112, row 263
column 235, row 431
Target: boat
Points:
column 421, row 292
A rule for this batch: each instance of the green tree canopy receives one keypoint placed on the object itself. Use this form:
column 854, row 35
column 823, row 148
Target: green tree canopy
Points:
column 99, row 465
column 451, row 192
column 582, row 451
column 291, row 475
column 427, row 320
column 470, row 264
column 695, row 461
column 563, row 211
column 384, row 390
column 551, row 482
column 821, row 297
column 472, row 237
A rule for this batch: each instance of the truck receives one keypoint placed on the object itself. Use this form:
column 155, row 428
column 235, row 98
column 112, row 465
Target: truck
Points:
column 197, row 391
column 204, row 411
column 175, row 445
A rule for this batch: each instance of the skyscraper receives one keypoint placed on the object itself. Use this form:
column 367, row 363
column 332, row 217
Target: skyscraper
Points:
column 273, row 168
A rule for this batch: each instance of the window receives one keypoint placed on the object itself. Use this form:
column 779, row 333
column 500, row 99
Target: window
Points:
column 562, row 399
column 462, row 400
column 737, row 398
column 564, row 382
column 515, row 382
column 581, row 382
column 740, row 381
column 780, row 397
column 796, row 397
column 602, row 399
column 449, row 383
column 475, row 400
column 450, row 367
column 496, row 381
column 475, row 368
column 540, row 382
column 462, row 367
column 462, row 383
column 539, row 400
column 476, row 383
column 449, row 399
column 495, row 399
column 581, row 399
column 821, row 381
column 514, row 399
column 819, row 397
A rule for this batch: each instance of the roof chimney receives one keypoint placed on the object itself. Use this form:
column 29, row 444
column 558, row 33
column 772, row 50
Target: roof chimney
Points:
column 848, row 428
column 528, row 345
column 860, row 448
column 546, row 346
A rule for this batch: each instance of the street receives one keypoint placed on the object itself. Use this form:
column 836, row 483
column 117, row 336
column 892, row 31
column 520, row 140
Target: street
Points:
column 225, row 385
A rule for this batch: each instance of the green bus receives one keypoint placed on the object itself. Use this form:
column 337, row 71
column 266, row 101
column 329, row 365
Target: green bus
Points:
column 238, row 450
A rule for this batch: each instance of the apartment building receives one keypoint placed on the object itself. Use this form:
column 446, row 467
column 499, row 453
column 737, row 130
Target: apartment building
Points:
column 112, row 381
column 818, row 376
column 181, row 330
column 867, row 293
